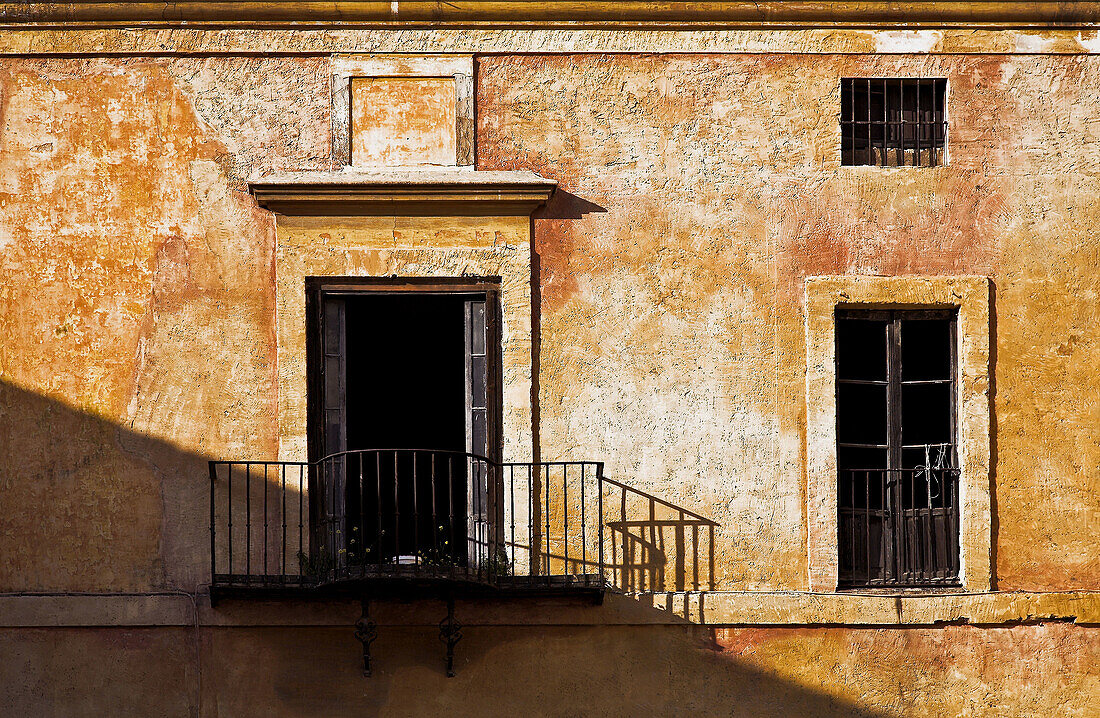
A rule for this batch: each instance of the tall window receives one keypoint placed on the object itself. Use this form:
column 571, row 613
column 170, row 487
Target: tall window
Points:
column 896, row 448
column 893, row 123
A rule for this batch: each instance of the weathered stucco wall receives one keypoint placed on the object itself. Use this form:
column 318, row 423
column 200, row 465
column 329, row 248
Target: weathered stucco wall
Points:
column 138, row 291
column 703, row 189
column 139, row 310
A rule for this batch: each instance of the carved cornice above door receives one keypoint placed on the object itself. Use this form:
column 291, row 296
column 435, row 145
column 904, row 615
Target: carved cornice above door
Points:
column 419, row 192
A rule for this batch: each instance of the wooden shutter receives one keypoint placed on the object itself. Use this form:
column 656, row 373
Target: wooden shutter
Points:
column 334, row 428
column 477, row 441
column 477, row 375
column 334, row 372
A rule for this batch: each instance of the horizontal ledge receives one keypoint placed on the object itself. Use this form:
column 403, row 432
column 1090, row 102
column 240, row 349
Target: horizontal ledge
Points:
column 713, row 608
column 388, row 585
column 558, row 13
column 431, row 192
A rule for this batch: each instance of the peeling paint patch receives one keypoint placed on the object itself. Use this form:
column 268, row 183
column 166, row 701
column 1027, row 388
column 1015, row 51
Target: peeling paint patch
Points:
column 907, row 40
column 1033, row 43
column 1090, row 43
column 398, row 121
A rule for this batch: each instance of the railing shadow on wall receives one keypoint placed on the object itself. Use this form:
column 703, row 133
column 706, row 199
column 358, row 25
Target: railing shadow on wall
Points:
column 656, row 545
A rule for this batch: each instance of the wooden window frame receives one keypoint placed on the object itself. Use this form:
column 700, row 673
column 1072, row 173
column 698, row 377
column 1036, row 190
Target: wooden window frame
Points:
column 893, row 572
column 490, row 287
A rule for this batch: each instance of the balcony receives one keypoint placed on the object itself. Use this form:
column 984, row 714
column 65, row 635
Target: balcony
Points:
column 413, row 523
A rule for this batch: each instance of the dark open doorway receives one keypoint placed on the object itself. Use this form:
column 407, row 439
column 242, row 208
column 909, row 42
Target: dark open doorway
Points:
column 402, row 400
column 406, row 376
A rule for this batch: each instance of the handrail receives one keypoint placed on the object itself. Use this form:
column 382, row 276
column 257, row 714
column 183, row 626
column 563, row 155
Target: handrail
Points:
column 451, row 452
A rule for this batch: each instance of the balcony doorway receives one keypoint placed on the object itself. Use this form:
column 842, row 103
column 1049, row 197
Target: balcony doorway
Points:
column 405, row 405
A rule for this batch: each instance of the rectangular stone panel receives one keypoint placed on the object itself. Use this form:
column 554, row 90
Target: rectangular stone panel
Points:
column 403, row 121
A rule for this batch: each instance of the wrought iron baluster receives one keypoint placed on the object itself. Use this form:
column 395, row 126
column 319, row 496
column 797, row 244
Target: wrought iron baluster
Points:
column 532, row 568
column 360, row 537
column 416, row 515
column 378, row 505
column 264, row 543
column 565, row 514
column 584, row 542
column 867, row 521
column 301, row 524
column 213, row 521
column 512, row 515
column 599, row 517
column 548, row 549
column 436, row 548
column 396, row 515
column 451, row 507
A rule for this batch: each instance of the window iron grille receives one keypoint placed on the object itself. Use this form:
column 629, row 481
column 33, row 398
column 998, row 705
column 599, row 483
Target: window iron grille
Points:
column 893, row 122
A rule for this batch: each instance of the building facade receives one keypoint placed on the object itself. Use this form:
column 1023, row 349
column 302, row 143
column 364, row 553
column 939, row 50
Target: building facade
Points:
column 567, row 359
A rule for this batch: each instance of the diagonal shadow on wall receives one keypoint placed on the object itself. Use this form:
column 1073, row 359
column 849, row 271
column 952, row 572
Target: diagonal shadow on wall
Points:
column 92, row 507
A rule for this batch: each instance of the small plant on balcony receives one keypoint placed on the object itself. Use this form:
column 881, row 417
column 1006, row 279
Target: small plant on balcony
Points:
column 358, row 553
column 439, row 556
column 499, row 564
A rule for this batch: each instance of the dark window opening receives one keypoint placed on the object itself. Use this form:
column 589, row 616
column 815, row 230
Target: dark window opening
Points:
column 893, row 123
column 405, row 378
column 896, row 458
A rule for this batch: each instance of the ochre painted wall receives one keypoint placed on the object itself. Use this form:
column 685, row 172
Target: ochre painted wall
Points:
column 137, row 306
column 699, row 191
column 138, row 316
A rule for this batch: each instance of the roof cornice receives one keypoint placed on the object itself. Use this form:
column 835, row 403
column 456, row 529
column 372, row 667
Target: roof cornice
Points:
column 403, row 193
column 624, row 14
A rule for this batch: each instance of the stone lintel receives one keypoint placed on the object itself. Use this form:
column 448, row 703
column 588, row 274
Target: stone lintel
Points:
column 453, row 192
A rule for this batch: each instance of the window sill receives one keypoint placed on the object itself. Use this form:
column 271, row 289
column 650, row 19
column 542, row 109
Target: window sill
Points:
column 892, row 607
column 945, row 589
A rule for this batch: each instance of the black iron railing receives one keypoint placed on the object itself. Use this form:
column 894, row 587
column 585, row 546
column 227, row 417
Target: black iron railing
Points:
column 406, row 514
column 899, row 527
column 448, row 516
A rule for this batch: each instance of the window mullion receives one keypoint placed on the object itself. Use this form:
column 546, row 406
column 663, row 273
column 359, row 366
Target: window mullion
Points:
column 891, row 491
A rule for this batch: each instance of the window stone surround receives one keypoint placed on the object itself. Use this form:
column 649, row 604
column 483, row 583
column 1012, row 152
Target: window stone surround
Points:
column 971, row 296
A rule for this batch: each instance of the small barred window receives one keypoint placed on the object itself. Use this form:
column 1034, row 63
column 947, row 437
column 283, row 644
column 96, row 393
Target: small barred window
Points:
column 893, row 122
